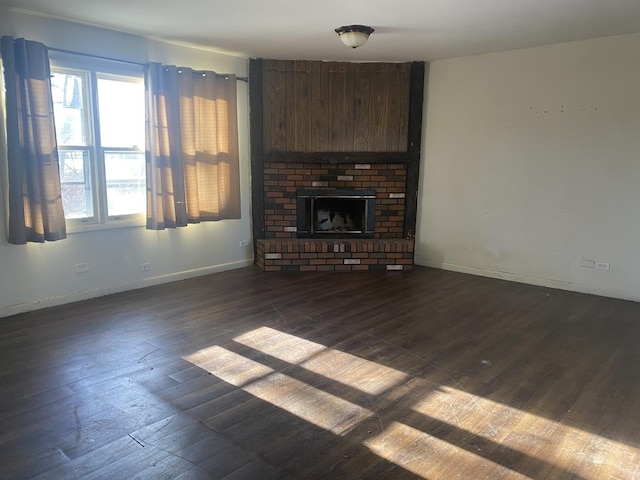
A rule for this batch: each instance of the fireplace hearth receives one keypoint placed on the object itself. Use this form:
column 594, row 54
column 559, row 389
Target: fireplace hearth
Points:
column 323, row 213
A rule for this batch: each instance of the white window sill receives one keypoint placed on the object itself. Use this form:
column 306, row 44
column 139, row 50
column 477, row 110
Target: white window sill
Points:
column 80, row 227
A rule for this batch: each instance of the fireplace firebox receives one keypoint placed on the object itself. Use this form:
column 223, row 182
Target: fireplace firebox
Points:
column 340, row 213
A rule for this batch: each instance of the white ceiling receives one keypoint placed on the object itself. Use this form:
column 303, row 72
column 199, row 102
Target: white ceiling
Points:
column 304, row 29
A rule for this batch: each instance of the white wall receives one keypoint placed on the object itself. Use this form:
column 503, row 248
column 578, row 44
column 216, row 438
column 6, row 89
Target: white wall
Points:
column 531, row 163
column 34, row 275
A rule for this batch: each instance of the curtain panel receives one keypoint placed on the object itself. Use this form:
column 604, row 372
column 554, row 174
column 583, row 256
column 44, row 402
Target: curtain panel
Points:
column 35, row 201
column 192, row 147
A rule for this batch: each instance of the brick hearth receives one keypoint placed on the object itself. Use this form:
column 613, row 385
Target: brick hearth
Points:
column 334, row 255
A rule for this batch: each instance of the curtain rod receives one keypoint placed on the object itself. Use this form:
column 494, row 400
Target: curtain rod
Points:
column 117, row 60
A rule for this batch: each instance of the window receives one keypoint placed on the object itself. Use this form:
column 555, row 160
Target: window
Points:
column 99, row 113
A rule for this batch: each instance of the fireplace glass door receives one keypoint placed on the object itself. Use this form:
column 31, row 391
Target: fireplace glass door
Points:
column 346, row 213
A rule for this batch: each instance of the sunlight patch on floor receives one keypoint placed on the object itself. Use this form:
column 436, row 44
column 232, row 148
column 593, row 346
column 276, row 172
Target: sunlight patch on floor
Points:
column 304, row 401
column 283, row 346
column 237, row 370
column 426, row 456
column 482, row 425
column 555, row 443
column 356, row 372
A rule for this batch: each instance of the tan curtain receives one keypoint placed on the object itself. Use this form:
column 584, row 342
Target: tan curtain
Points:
column 35, row 200
column 192, row 151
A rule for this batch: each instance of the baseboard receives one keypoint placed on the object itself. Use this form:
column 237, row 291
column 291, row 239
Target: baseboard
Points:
column 528, row 279
column 141, row 283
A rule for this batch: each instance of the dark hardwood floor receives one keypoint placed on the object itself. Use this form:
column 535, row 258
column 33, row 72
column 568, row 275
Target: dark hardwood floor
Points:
column 399, row 375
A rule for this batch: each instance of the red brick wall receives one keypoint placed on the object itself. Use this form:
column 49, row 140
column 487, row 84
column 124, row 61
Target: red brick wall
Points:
column 282, row 180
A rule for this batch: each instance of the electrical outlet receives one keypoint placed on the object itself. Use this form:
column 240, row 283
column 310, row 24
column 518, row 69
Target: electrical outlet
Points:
column 602, row 266
column 244, row 243
column 144, row 267
column 81, row 267
column 587, row 263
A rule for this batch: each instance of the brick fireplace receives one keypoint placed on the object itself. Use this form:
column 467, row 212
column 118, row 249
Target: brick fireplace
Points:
column 283, row 180
column 383, row 249
column 335, row 154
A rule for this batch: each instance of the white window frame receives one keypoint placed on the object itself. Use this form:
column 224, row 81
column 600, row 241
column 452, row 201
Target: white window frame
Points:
column 92, row 69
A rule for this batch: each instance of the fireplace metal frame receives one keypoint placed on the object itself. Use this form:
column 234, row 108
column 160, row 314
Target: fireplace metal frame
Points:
column 306, row 199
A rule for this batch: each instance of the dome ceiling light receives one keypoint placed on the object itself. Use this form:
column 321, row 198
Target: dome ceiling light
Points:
column 354, row 36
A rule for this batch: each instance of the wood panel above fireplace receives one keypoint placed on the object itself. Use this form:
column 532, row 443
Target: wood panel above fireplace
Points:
column 335, row 106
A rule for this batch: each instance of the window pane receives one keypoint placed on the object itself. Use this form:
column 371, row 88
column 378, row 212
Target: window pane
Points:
column 126, row 186
column 75, row 184
column 69, row 110
column 121, row 105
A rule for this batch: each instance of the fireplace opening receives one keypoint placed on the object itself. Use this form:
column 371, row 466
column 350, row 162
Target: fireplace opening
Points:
column 345, row 213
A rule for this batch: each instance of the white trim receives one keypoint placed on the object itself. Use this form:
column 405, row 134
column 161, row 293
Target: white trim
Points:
column 528, row 279
column 142, row 283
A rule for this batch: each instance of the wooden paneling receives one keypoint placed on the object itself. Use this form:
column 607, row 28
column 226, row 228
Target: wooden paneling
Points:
column 398, row 107
column 291, row 118
column 315, row 108
column 378, row 107
column 361, row 115
column 414, row 144
column 275, row 99
column 350, row 108
column 324, row 120
column 260, row 92
column 303, row 90
column 335, row 106
column 256, row 132
column 336, row 158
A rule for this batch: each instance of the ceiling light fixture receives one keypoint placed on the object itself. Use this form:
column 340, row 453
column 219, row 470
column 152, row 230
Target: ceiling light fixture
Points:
column 354, row 36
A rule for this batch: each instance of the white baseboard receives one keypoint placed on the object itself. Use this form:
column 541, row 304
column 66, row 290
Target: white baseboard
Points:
column 141, row 283
column 528, row 279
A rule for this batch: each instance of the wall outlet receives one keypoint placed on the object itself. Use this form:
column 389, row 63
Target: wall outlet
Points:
column 602, row 266
column 244, row 243
column 144, row 267
column 81, row 267
column 587, row 263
